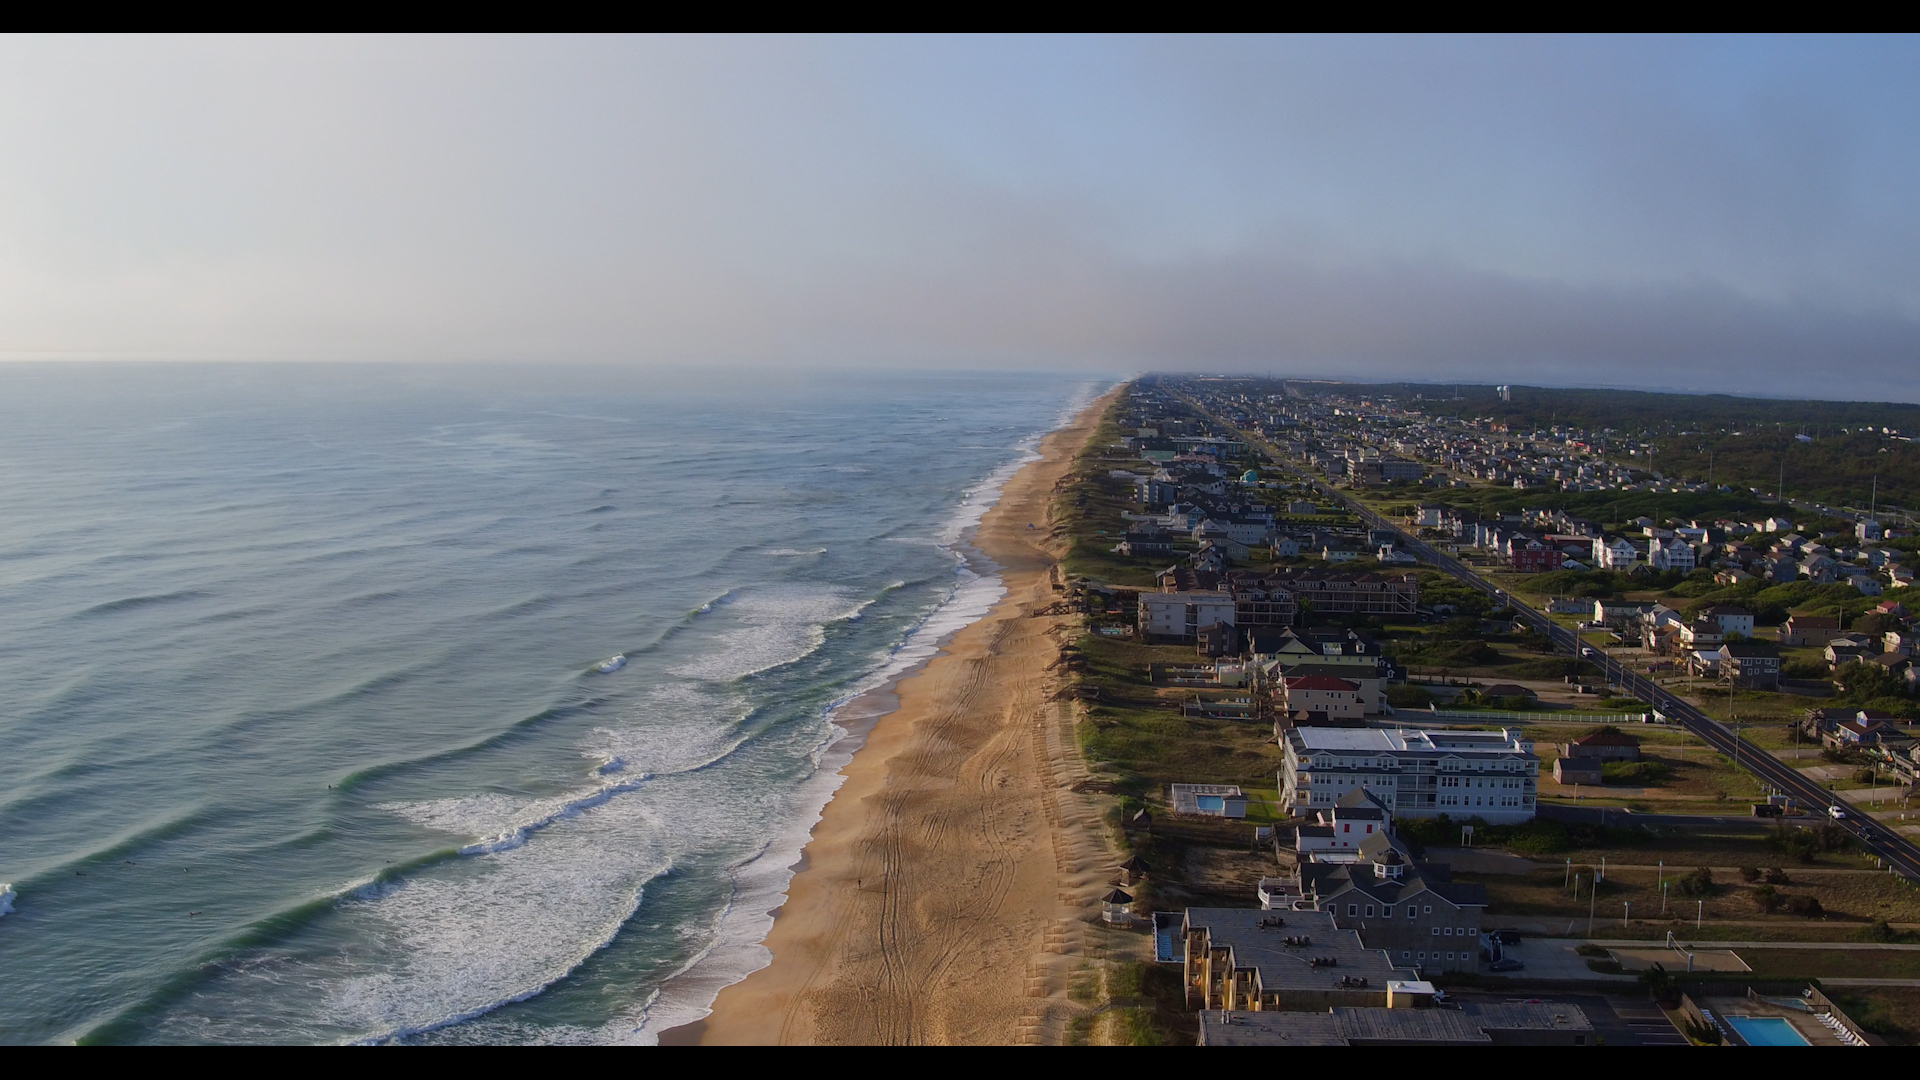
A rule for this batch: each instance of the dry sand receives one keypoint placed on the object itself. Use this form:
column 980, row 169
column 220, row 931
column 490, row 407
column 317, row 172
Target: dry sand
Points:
column 946, row 892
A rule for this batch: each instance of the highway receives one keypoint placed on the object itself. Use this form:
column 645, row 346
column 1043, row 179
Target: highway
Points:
column 1898, row 853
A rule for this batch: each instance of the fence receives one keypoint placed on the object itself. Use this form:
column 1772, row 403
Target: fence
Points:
column 1478, row 716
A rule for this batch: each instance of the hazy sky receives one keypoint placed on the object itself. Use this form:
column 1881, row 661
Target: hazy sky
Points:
column 1675, row 212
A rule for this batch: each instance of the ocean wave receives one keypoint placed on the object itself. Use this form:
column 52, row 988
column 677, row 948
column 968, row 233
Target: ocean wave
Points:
column 550, row 811
column 7, row 897
column 127, row 843
column 760, row 884
column 773, row 627
column 132, row 602
column 792, row 552
column 517, row 730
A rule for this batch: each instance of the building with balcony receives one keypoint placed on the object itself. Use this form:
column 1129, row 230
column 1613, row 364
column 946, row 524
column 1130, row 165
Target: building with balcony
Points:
column 1491, row 775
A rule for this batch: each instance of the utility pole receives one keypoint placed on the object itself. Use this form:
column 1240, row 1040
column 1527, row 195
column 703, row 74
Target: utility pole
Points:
column 1593, row 895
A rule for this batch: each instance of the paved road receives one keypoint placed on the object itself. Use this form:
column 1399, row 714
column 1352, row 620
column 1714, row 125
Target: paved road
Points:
column 1613, row 815
column 1899, row 852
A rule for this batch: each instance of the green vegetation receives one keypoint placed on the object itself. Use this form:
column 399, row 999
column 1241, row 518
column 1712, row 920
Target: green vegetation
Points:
column 1891, row 1012
column 1636, row 773
column 1750, row 439
column 1135, row 729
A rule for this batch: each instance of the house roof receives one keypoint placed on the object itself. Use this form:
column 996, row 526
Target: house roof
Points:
column 1469, row 1025
column 1507, row 690
column 1286, row 967
column 1319, row 682
column 1607, row 738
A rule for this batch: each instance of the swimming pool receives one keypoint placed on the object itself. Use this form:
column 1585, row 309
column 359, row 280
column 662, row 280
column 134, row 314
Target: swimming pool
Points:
column 1766, row 1031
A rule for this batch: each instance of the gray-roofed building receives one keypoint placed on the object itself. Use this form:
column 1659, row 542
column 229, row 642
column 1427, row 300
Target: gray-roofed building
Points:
column 1491, row 775
column 1245, row 958
column 1552, row 1024
column 1413, row 910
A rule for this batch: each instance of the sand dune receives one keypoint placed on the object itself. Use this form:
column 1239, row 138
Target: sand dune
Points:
column 947, row 885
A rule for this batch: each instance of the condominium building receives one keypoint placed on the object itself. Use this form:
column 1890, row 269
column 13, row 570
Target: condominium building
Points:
column 1178, row 616
column 1491, row 775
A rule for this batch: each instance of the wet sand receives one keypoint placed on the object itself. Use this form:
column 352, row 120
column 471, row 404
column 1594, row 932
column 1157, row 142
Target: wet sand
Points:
column 946, row 890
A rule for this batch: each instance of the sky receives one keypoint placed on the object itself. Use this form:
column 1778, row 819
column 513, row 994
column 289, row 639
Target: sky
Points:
column 1735, row 214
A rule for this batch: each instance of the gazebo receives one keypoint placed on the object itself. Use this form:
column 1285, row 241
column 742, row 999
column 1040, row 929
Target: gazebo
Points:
column 1135, row 867
column 1116, row 906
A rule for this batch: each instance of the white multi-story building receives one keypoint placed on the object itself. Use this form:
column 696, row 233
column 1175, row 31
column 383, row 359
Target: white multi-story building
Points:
column 1615, row 554
column 1491, row 775
column 1671, row 555
column 1178, row 616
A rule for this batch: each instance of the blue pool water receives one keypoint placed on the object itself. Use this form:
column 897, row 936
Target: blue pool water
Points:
column 1766, row 1031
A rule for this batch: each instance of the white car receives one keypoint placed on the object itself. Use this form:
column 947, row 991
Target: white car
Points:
column 1836, row 813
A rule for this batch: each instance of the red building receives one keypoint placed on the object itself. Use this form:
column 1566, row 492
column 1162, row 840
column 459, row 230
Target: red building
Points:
column 1536, row 560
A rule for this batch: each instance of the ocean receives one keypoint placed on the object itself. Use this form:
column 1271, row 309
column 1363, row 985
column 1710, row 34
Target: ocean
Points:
column 304, row 735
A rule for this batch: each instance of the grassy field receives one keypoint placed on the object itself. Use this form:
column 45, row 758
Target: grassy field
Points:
column 1892, row 1012
column 1849, row 900
column 1679, row 774
column 1137, row 732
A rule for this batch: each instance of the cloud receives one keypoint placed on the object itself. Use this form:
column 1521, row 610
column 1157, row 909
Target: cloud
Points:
column 1699, row 213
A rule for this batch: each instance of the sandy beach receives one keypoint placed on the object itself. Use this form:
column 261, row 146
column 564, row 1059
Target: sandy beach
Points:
column 945, row 892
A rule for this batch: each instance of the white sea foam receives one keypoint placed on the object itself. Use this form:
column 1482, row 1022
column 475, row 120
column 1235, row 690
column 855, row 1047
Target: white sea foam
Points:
column 760, row 884
column 792, row 552
column 7, row 897
column 771, row 627
column 549, row 882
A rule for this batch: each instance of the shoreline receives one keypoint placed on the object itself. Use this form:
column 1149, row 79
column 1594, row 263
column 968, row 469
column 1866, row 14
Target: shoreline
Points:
column 941, row 872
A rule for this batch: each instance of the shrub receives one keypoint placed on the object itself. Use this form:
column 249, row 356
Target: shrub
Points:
column 1698, row 883
column 1767, row 897
column 1749, row 873
column 1624, row 704
column 1878, row 930
column 1402, row 696
column 1776, row 876
column 1592, row 950
column 1804, row 905
column 1635, row 772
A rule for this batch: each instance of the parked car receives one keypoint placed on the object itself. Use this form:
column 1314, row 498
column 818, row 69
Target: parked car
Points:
column 1507, row 964
column 1505, row 937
